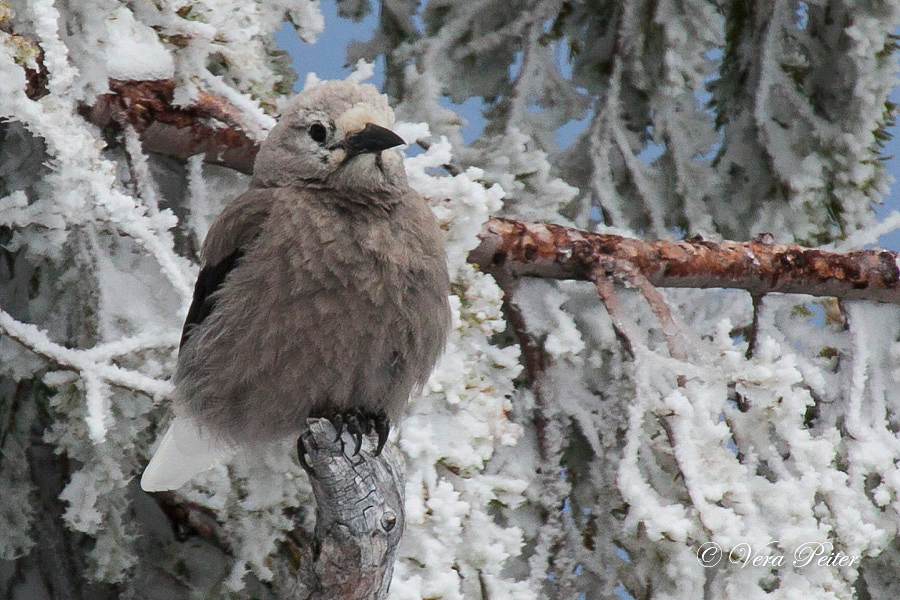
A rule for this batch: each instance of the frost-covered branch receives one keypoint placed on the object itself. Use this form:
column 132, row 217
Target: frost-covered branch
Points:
column 620, row 324
column 556, row 252
column 532, row 352
column 92, row 363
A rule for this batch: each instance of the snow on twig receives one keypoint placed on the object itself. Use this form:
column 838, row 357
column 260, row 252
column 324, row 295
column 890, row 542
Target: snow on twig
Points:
column 199, row 199
column 84, row 361
column 97, row 399
column 143, row 341
column 142, row 181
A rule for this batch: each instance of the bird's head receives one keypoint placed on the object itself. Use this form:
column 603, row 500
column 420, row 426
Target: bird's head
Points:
column 335, row 135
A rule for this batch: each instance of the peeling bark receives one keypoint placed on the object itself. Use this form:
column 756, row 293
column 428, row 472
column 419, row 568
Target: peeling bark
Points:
column 556, row 252
column 209, row 126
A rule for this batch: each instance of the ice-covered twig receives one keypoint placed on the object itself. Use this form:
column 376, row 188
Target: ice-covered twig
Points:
column 141, row 179
column 234, row 108
column 199, row 200
column 600, row 278
column 81, row 361
column 636, row 170
column 672, row 330
column 533, row 355
column 136, row 343
column 449, row 167
column 754, row 326
column 869, row 235
column 97, row 400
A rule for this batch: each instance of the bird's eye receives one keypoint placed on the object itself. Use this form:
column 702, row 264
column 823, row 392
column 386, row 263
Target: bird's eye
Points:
column 318, row 132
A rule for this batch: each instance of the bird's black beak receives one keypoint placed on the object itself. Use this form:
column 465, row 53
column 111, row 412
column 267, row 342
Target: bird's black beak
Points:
column 373, row 138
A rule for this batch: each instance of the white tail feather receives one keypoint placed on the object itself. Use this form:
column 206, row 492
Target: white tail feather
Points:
column 185, row 451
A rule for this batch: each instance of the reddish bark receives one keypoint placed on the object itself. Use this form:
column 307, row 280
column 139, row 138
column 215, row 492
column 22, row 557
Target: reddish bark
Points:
column 557, row 252
column 207, row 127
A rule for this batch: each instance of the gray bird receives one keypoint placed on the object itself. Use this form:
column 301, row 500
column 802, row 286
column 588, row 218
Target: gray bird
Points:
column 323, row 291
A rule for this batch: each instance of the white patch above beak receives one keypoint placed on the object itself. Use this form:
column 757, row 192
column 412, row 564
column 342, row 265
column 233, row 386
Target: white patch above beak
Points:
column 355, row 119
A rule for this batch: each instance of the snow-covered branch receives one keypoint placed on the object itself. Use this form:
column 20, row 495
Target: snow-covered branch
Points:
column 532, row 249
column 92, row 362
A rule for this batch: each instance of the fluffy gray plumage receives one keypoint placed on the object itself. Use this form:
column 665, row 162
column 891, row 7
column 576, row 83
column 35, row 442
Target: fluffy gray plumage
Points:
column 336, row 295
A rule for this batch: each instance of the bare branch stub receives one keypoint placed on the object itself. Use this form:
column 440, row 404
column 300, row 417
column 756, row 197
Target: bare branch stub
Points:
column 604, row 286
column 533, row 357
column 554, row 251
column 672, row 330
column 359, row 518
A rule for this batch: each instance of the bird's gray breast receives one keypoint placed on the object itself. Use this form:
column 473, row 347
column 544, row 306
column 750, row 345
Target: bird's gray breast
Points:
column 323, row 313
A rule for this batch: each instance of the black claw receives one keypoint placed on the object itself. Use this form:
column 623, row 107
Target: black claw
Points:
column 357, row 422
column 354, row 428
column 382, row 428
column 301, row 453
column 359, row 437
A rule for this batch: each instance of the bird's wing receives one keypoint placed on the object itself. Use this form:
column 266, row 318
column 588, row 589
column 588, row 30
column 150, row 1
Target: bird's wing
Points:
column 228, row 238
column 184, row 451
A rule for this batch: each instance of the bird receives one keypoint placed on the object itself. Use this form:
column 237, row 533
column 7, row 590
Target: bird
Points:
column 323, row 292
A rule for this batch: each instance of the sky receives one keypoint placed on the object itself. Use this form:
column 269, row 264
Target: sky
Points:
column 327, row 59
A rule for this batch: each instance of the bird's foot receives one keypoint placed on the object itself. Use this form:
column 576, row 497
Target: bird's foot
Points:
column 359, row 422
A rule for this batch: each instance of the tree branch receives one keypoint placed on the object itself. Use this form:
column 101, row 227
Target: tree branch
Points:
column 209, row 126
column 94, row 361
column 556, row 252
column 359, row 518
column 552, row 251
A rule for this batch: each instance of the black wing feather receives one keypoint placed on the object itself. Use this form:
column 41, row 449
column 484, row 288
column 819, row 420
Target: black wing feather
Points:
column 210, row 279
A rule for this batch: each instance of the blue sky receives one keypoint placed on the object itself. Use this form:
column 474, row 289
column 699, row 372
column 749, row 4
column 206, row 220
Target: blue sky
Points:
column 327, row 57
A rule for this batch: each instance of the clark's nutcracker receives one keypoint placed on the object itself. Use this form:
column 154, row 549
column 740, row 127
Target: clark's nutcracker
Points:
column 323, row 291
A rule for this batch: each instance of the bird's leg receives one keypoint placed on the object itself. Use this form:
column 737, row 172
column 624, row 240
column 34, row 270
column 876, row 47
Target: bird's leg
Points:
column 382, row 427
column 301, row 453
